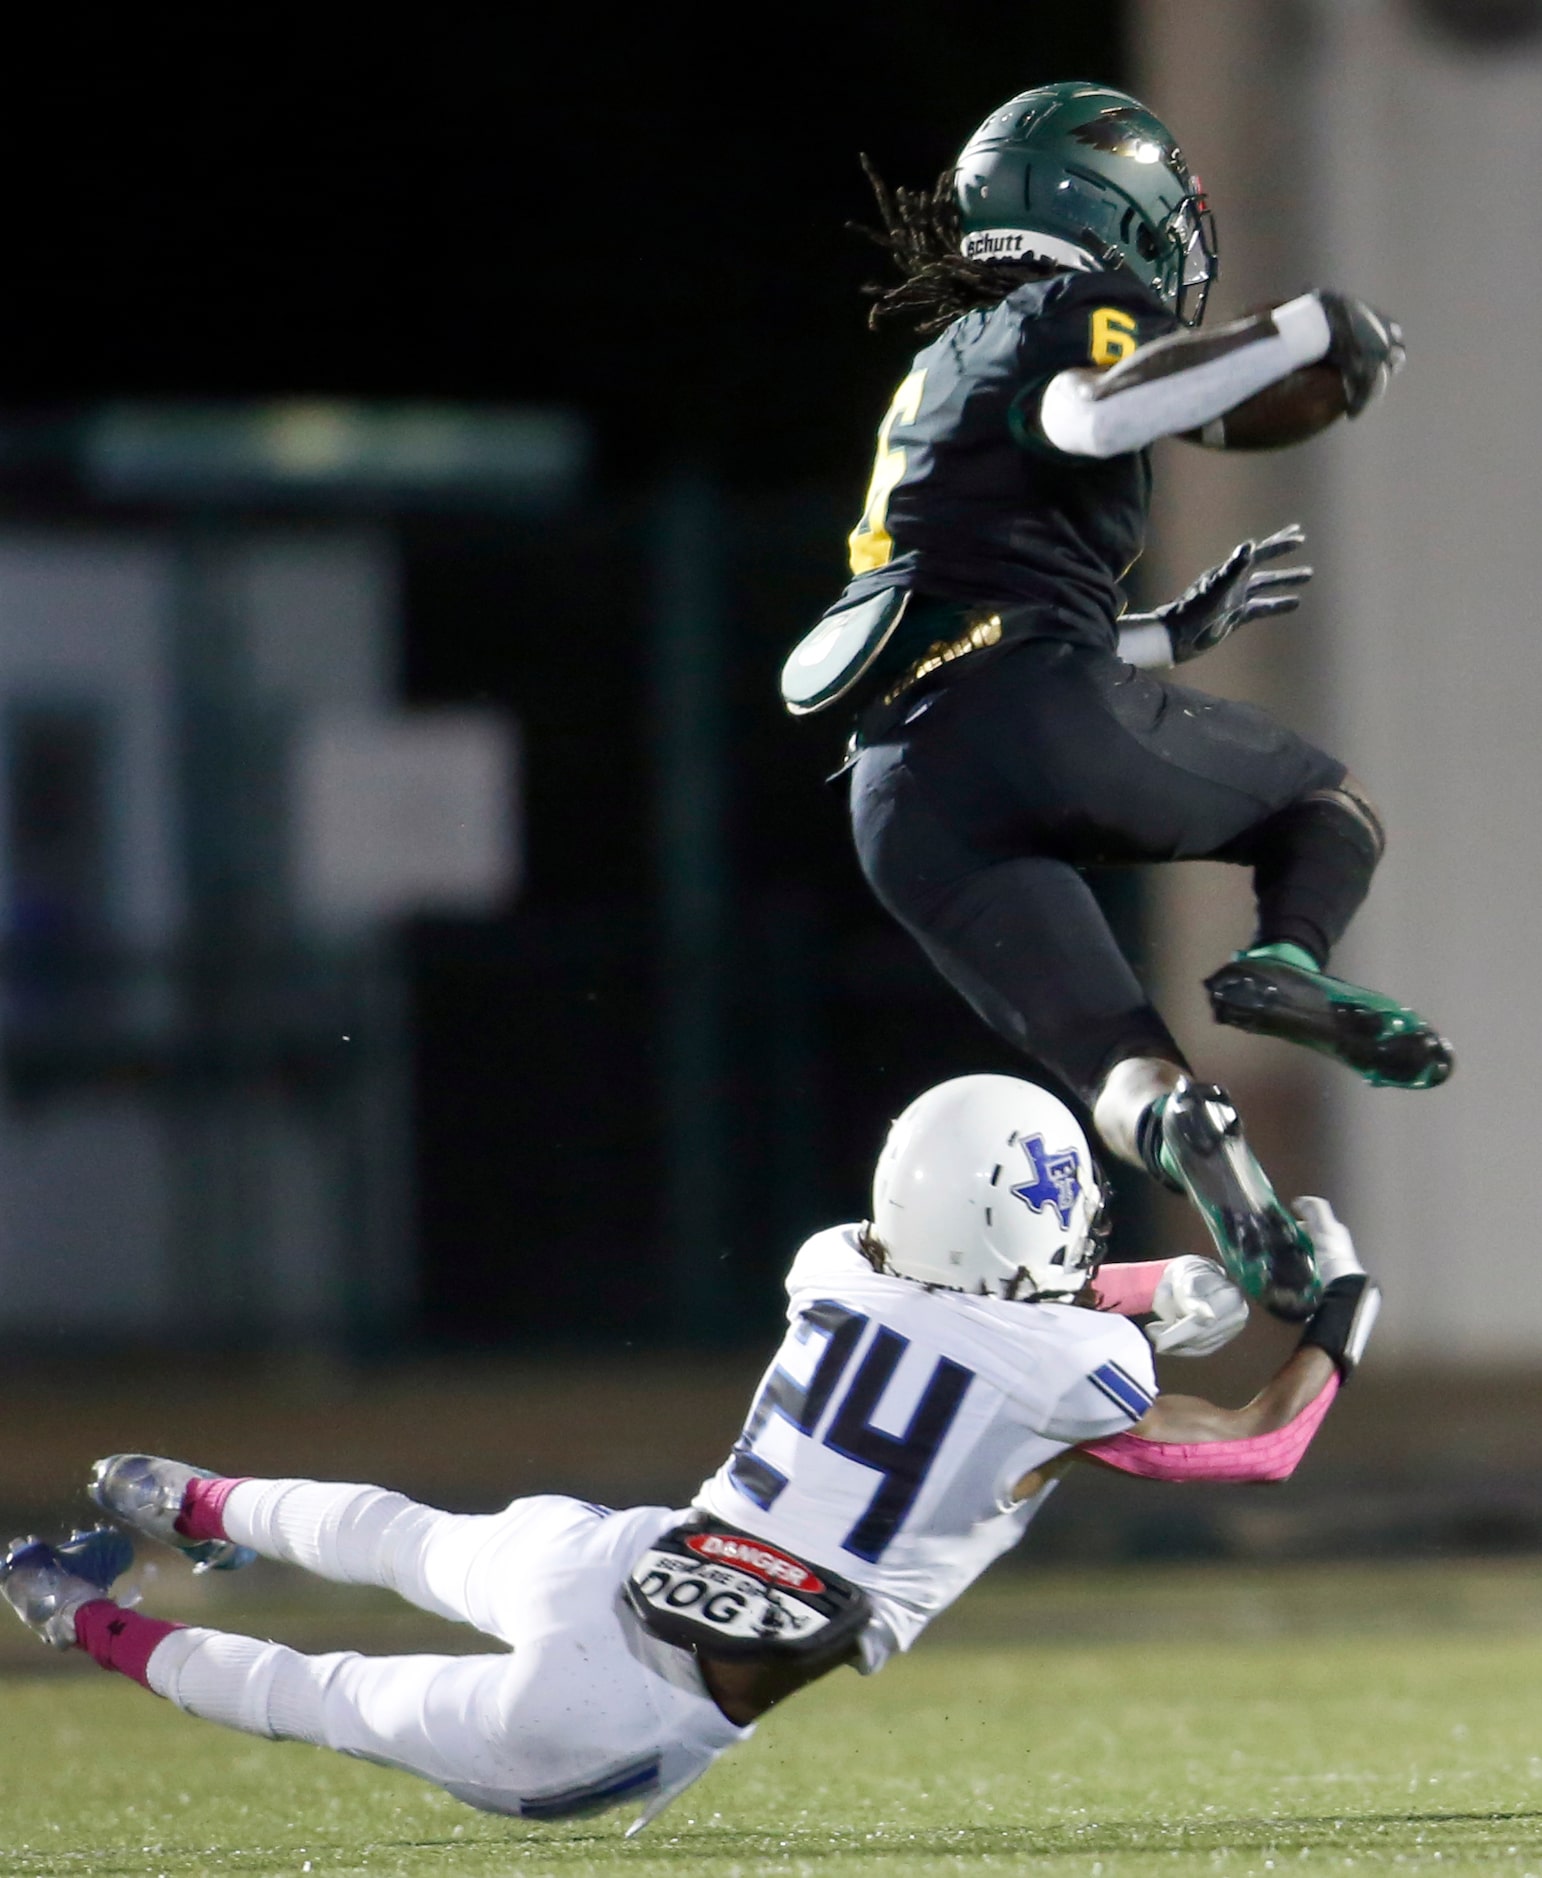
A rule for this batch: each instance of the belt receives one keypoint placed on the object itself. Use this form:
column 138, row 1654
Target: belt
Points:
column 974, row 629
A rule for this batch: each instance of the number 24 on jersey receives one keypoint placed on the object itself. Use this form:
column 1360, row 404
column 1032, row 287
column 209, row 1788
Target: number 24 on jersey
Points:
column 899, row 1462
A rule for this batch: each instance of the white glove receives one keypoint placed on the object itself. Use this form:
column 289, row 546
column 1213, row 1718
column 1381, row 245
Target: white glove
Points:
column 1197, row 1307
column 1336, row 1255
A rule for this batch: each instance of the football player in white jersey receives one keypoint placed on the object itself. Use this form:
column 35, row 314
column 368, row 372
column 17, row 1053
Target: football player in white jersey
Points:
column 941, row 1368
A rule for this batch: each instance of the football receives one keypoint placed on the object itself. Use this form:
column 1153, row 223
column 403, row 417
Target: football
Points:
column 1287, row 412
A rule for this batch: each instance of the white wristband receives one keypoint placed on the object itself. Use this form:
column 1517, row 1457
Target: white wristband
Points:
column 1149, row 646
column 1303, row 325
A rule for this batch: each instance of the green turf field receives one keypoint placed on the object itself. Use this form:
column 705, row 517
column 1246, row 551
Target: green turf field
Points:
column 1182, row 1720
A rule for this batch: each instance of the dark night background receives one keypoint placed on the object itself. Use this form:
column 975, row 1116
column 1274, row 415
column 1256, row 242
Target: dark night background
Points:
column 644, row 223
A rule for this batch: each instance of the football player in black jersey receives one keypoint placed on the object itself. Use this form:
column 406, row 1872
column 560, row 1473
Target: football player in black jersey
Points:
column 1009, row 731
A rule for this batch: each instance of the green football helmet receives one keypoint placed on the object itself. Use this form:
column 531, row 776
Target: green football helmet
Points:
column 1083, row 176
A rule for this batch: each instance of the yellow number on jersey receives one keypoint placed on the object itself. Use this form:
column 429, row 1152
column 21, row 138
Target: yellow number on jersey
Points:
column 870, row 542
column 1114, row 335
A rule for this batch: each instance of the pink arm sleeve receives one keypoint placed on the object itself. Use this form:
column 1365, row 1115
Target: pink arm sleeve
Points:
column 1259, row 1457
column 1128, row 1289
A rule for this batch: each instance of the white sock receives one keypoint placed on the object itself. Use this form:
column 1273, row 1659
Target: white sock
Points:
column 260, row 1688
column 353, row 1534
column 1129, row 1089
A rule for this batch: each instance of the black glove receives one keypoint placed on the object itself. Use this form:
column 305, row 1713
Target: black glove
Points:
column 1228, row 596
column 1365, row 345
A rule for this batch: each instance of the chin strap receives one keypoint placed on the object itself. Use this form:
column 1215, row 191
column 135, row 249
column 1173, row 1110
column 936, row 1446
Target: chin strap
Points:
column 1256, row 1458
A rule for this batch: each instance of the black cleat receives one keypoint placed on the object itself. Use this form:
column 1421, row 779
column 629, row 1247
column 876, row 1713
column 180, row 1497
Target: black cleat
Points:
column 1265, row 1251
column 1386, row 1043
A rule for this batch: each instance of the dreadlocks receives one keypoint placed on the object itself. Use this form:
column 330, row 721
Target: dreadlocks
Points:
column 921, row 235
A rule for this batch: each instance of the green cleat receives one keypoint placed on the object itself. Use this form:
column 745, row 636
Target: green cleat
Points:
column 1389, row 1045
column 1264, row 1250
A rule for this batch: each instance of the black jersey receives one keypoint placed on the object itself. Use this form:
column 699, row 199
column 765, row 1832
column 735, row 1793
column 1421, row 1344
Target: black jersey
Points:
column 970, row 501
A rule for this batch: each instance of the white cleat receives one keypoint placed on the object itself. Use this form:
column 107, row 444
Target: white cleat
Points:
column 47, row 1584
column 147, row 1492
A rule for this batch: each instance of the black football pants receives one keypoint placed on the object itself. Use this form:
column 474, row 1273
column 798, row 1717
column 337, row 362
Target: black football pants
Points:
column 974, row 817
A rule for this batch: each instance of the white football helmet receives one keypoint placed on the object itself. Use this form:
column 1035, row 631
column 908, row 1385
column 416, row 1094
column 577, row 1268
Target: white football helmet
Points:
column 986, row 1185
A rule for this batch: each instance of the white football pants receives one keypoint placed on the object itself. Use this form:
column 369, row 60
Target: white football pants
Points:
column 588, row 1711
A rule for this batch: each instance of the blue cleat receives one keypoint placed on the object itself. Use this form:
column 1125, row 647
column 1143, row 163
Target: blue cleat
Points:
column 146, row 1492
column 47, row 1584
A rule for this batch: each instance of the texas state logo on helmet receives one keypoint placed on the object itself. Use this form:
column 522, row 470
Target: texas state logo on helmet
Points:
column 1056, row 1182
column 1084, row 176
column 986, row 1185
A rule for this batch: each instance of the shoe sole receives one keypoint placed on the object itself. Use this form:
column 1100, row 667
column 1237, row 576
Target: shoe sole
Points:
column 1279, row 1001
column 1264, row 1250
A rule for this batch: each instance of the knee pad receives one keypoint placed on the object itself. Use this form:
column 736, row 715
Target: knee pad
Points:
column 1312, row 866
column 1324, row 821
column 1349, row 802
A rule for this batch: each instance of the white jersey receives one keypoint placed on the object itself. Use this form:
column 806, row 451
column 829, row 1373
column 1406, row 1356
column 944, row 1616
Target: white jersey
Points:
column 887, row 1436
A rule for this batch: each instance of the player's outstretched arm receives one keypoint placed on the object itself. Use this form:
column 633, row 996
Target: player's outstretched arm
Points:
column 1186, row 383
column 1187, row 1438
column 1224, row 597
column 1189, row 1419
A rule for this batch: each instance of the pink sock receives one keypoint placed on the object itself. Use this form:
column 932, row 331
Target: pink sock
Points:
column 119, row 1639
column 203, row 1509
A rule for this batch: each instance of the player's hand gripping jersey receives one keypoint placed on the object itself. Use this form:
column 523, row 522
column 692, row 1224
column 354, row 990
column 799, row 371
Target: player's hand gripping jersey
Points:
column 969, row 500
column 888, row 1436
